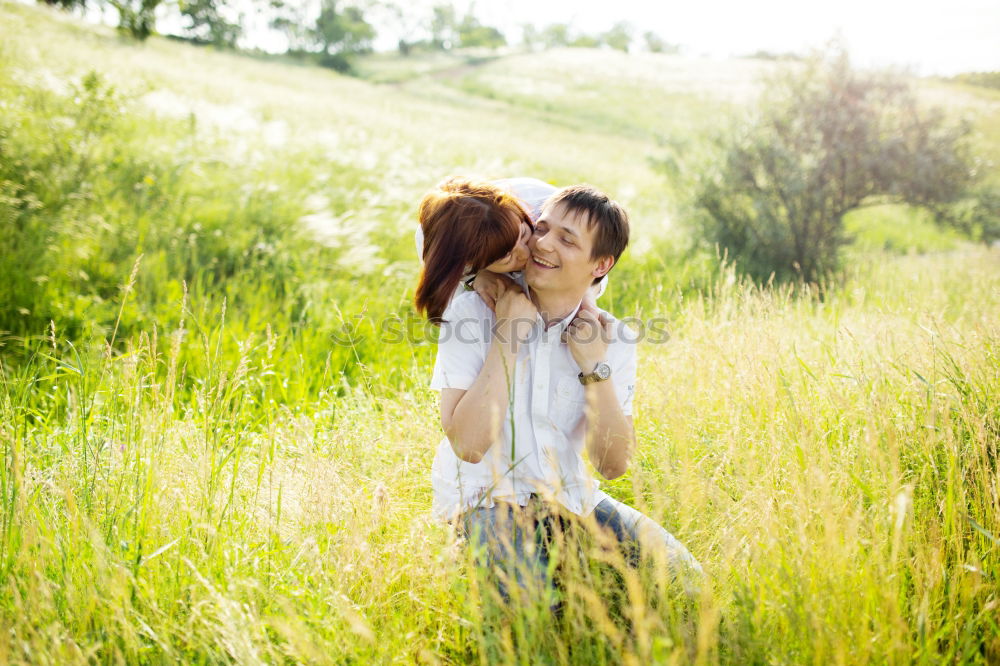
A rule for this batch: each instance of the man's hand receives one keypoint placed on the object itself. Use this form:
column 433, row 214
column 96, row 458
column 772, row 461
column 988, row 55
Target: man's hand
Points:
column 587, row 337
column 487, row 285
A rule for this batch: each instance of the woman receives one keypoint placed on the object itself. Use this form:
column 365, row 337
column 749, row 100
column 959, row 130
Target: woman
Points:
column 476, row 230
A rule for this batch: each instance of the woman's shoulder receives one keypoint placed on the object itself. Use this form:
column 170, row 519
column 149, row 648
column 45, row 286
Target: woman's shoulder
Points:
column 467, row 305
column 524, row 182
column 531, row 191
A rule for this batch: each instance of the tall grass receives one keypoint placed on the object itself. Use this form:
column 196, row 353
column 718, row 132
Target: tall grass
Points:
column 831, row 463
column 208, row 456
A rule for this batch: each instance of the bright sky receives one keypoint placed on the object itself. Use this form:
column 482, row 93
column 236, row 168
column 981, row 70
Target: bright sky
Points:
column 934, row 37
column 920, row 34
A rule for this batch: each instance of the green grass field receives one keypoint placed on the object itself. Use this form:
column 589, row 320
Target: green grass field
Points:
column 213, row 454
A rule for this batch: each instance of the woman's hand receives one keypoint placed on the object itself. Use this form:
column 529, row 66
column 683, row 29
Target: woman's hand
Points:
column 516, row 315
column 587, row 337
column 588, row 305
column 487, row 283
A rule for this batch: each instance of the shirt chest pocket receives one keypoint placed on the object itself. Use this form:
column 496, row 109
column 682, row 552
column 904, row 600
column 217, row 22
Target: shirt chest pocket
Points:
column 568, row 404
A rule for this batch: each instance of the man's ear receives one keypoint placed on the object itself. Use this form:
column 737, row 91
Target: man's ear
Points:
column 602, row 266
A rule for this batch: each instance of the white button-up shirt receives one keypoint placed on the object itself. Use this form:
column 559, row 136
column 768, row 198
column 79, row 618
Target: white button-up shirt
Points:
column 541, row 442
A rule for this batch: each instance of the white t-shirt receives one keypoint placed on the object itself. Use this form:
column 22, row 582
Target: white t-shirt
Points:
column 546, row 409
column 533, row 193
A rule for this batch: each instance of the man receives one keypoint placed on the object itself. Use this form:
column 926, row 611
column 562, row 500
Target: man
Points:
column 525, row 390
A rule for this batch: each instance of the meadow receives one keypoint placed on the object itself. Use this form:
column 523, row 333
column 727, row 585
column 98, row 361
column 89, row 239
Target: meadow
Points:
column 217, row 439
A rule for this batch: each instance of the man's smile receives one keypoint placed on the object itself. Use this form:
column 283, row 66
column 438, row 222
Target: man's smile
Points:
column 542, row 262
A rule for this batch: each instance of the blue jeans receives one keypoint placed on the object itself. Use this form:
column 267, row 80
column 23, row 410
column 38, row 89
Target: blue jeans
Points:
column 514, row 542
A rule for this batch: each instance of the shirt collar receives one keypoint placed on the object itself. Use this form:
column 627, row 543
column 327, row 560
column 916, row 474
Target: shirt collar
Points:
column 564, row 322
column 560, row 325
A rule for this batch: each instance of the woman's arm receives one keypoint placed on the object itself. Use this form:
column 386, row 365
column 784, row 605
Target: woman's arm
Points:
column 472, row 418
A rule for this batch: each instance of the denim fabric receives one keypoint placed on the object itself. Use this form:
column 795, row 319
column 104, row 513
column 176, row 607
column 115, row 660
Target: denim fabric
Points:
column 514, row 542
column 641, row 535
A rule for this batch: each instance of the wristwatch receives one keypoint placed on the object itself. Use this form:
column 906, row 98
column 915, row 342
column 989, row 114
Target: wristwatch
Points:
column 600, row 373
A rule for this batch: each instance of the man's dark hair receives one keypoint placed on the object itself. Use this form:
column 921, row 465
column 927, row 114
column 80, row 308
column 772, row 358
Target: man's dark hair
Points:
column 602, row 212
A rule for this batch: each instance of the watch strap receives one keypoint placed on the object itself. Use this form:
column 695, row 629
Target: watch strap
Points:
column 596, row 375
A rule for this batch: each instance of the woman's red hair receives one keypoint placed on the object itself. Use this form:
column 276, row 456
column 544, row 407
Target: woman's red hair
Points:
column 467, row 225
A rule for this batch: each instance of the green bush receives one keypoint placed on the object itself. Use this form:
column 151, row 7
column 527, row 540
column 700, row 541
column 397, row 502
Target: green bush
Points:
column 977, row 213
column 826, row 139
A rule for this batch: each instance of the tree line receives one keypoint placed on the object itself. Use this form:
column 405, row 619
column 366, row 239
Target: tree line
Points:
column 335, row 31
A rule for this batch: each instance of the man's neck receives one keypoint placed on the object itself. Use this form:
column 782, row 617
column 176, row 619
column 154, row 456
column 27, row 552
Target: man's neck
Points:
column 556, row 306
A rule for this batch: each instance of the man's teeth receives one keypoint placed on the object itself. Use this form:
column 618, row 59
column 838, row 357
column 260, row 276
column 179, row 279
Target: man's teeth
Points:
column 544, row 263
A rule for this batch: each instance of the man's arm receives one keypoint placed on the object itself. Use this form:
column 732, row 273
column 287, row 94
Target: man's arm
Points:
column 472, row 418
column 610, row 436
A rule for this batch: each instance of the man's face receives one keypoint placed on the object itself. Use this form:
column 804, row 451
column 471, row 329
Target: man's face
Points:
column 560, row 252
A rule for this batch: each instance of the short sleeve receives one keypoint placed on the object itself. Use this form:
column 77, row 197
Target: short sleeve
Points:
column 462, row 342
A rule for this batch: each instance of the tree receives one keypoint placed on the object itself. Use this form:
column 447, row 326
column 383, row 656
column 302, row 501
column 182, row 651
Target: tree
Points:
column 585, row 41
column 827, row 139
column 444, row 27
column 289, row 19
column 137, row 18
column 472, row 33
column 341, row 35
column 656, row 44
column 207, row 22
column 619, row 37
column 555, row 35
column 345, row 31
column 65, row 4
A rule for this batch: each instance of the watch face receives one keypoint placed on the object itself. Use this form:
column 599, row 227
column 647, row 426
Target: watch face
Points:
column 603, row 371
